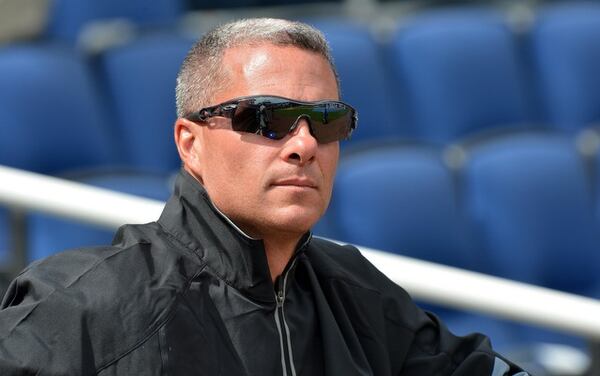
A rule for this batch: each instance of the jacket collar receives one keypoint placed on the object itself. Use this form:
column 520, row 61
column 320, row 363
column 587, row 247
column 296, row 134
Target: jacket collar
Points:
column 191, row 217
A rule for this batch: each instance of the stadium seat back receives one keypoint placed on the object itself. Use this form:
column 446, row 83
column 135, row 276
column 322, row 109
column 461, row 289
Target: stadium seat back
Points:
column 566, row 52
column 462, row 73
column 140, row 79
column 530, row 201
column 69, row 17
column 51, row 117
column 402, row 200
column 365, row 82
column 48, row 234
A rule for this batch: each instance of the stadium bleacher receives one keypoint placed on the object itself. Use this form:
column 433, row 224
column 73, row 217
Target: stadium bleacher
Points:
column 566, row 54
column 521, row 204
column 69, row 18
column 462, row 73
column 143, row 100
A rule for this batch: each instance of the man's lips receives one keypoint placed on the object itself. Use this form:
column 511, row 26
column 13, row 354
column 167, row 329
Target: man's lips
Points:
column 296, row 182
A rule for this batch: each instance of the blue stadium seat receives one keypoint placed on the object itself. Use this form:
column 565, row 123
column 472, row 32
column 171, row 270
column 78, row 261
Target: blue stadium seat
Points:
column 51, row 117
column 401, row 199
column 51, row 120
column 140, row 80
column 365, row 82
column 54, row 122
column 530, row 202
column 69, row 17
column 50, row 234
column 216, row 4
column 565, row 44
column 462, row 73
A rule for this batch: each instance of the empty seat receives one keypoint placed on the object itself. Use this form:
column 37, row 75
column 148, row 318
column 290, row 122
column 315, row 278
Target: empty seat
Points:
column 215, row 4
column 400, row 199
column 365, row 82
column 140, row 80
column 566, row 51
column 52, row 121
column 530, row 202
column 69, row 17
column 529, row 198
column 49, row 234
column 51, row 117
column 462, row 73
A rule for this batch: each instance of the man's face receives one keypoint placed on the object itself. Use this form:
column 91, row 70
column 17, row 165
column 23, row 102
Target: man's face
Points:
column 268, row 187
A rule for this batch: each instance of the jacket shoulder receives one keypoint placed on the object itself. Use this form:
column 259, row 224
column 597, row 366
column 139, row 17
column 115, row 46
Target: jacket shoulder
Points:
column 346, row 262
column 335, row 263
column 139, row 258
column 102, row 300
column 423, row 345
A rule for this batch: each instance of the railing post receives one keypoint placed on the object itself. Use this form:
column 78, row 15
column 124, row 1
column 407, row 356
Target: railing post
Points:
column 594, row 369
column 18, row 225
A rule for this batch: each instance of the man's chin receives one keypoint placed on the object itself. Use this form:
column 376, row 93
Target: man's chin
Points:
column 295, row 221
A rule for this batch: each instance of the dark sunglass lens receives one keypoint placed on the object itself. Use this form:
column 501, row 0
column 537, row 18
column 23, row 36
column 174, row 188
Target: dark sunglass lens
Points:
column 283, row 117
column 245, row 118
column 333, row 124
column 256, row 116
column 273, row 118
column 329, row 121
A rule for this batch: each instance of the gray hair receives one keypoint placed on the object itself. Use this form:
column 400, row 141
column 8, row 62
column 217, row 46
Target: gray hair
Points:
column 201, row 76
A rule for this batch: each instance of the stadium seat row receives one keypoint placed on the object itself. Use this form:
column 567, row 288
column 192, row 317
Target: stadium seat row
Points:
column 451, row 74
column 68, row 19
column 442, row 77
column 523, row 206
column 520, row 204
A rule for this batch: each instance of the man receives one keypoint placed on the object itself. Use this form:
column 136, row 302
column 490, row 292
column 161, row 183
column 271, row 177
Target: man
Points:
column 229, row 280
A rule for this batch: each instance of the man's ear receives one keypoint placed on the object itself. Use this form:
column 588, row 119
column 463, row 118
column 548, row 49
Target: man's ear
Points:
column 188, row 143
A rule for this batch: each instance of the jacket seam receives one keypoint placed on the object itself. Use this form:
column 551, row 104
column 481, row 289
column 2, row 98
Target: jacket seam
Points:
column 159, row 325
column 196, row 251
column 174, row 239
column 61, row 287
column 385, row 315
column 162, row 347
column 162, row 322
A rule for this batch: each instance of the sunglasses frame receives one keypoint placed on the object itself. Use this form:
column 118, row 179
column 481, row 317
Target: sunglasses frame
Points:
column 260, row 102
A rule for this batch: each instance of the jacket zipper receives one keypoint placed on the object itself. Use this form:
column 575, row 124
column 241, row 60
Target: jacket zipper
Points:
column 287, row 357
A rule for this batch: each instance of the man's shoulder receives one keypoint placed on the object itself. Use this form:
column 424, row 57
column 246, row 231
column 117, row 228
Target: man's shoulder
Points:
column 346, row 262
column 123, row 292
column 139, row 257
column 335, row 251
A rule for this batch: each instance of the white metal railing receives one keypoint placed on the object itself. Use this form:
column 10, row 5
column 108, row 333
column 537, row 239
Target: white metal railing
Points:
column 424, row 280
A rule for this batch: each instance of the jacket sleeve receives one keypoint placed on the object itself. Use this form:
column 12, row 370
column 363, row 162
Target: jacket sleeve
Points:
column 41, row 330
column 431, row 349
column 436, row 351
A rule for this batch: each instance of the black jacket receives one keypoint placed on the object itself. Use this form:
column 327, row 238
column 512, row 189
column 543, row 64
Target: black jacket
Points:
column 192, row 295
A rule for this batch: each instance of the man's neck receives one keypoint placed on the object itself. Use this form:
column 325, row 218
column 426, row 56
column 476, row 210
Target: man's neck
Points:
column 279, row 252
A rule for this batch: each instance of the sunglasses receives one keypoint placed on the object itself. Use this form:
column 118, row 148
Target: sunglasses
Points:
column 274, row 117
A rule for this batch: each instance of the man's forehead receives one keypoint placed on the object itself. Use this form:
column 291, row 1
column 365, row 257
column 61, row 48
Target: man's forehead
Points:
column 266, row 66
column 257, row 54
column 246, row 59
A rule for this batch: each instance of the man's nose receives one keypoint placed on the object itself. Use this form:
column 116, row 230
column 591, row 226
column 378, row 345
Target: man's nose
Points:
column 301, row 146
